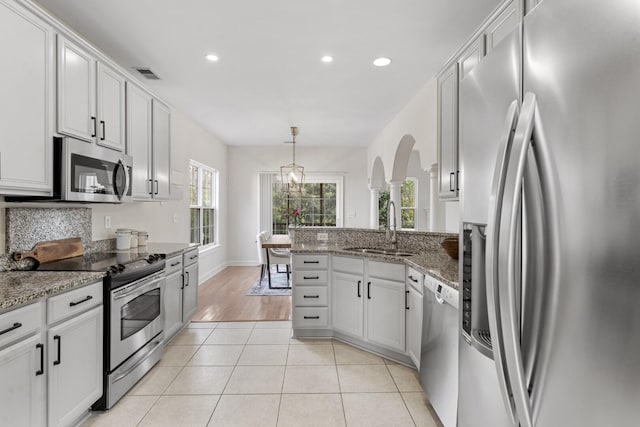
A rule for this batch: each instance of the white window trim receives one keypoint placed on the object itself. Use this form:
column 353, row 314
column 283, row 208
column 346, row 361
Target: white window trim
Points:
column 215, row 189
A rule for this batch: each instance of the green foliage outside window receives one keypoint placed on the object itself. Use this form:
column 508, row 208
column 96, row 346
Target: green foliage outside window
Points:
column 316, row 206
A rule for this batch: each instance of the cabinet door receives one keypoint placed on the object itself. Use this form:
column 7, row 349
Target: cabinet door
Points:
column 27, row 104
column 190, row 292
column 448, row 133
column 173, row 304
column 76, row 91
column 346, row 303
column 111, row 105
column 471, row 57
column 414, row 325
column 161, row 150
column 139, row 139
column 22, row 389
column 75, row 366
column 502, row 26
column 385, row 313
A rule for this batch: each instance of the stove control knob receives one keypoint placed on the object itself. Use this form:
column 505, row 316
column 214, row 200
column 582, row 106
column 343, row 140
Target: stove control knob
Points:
column 113, row 269
column 120, row 267
column 151, row 258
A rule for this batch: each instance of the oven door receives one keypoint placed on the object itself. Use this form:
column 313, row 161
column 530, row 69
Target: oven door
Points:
column 136, row 316
column 90, row 173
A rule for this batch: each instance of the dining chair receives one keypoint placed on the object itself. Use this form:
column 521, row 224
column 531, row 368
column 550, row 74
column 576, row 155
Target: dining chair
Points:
column 277, row 257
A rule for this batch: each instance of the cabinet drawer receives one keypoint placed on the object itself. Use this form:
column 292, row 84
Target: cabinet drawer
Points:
column 20, row 322
column 173, row 264
column 73, row 302
column 310, row 296
column 309, row 262
column 310, row 277
column 415, row 279
column 311, row 317
column 348, row 265
column 386, row 270
column 191, row 257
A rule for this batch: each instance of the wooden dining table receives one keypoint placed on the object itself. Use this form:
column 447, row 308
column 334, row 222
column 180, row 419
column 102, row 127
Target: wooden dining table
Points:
column 276, row 241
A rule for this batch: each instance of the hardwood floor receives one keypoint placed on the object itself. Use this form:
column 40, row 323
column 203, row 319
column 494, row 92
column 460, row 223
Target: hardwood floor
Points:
column 223, row 298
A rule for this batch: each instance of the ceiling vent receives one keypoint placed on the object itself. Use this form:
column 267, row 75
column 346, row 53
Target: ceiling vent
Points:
column 147, row 73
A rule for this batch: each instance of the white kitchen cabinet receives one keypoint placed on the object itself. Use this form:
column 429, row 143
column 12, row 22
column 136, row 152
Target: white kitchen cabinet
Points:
column 414, row 324
column 148, row 141
column 190, row 291
column 23, row 385
column 75, row 366
column 385, row 313
column 310, row 291
column 27, row 103
column 91, row 97
column 161, row 150
column 347, row 304
column 448, row 133
column 173, row 297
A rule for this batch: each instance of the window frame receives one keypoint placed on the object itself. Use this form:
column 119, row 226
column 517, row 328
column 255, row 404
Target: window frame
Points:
column 414, row 208
column 202, row 168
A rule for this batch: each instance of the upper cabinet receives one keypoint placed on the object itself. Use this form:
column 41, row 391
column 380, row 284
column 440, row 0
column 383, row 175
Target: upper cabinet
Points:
column 27, row 85
column 448, row 132
column 91, row 98
column 148, row 141
column 503, row 21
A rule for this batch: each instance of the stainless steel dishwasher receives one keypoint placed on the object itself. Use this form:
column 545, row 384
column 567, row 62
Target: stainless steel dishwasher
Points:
column 439, row 355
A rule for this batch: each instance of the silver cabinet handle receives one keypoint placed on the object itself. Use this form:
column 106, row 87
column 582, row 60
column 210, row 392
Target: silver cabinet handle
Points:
column 311, row 296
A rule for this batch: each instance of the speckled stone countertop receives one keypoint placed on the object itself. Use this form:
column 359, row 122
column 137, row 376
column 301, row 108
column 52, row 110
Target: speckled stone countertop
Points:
column 21, row 287
column 436, row 264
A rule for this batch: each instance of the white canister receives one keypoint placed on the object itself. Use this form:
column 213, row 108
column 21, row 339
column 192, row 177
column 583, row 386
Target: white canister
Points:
column 143, row 236
column 123, row 238
column 134, row 239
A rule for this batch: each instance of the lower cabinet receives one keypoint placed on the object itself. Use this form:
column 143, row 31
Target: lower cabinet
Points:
column 75, row 366
column 190, row 291
column 366, row 306
column 347, row 304
column 22, row 390
column 173, row 304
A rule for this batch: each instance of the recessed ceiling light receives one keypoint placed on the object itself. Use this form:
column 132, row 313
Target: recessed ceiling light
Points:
column 211, row 57
column 382, row 62
column 327, row 59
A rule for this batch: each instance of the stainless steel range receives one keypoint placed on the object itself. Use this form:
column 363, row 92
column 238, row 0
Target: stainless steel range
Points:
column 134, row 318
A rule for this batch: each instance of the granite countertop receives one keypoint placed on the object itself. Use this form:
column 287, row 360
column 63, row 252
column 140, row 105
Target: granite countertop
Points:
column 21, row 287
column 436, row 264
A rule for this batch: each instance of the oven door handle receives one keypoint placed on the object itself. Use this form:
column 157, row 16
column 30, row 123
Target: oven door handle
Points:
column 140, row 287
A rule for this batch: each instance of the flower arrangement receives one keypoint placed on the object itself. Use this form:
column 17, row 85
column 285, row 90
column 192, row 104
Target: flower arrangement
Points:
column 295, row 215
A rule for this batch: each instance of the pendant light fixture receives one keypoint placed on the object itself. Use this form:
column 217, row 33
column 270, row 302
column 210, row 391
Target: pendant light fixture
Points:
column 292, row 175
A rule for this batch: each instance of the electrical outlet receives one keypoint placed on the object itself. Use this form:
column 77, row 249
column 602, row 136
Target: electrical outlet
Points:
column 107, row 221
column 175, row 218
column 323, row 236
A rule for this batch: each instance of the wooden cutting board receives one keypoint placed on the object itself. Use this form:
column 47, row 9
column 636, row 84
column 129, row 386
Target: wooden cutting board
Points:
column 52, row 250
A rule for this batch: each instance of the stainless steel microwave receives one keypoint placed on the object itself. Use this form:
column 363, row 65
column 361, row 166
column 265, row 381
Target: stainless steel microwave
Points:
column 86, row 172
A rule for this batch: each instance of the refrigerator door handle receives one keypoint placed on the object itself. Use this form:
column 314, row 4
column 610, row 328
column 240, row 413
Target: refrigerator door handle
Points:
column 507, row 250
column 493, row 303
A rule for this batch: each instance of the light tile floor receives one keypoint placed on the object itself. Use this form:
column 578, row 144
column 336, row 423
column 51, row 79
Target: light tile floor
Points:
column 254, row 374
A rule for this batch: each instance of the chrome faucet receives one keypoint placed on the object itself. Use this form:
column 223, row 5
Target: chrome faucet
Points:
column 391, row 236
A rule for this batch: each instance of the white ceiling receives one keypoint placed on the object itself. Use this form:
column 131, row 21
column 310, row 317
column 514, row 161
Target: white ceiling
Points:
column 270, row 76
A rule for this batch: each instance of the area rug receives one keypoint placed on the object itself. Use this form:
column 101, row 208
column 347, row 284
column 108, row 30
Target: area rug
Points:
column 261, row 287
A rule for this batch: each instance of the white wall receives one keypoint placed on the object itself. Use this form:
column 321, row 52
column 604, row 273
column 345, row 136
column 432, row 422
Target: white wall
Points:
column 188, row 141
column 245, row 163
column 418, row 119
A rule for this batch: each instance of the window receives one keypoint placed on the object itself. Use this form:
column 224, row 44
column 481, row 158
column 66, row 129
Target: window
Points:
column 203, row 190
column 408, row 204
column 408, row 191
column 319, row 205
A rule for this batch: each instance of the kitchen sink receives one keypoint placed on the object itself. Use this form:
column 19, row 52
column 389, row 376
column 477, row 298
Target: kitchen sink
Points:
column 378, row 251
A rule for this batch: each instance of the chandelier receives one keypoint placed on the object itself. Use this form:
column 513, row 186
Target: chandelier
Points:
column 292, row 175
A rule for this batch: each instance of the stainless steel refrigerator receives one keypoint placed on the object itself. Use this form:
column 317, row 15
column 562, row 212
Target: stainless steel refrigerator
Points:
column 550, row 199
